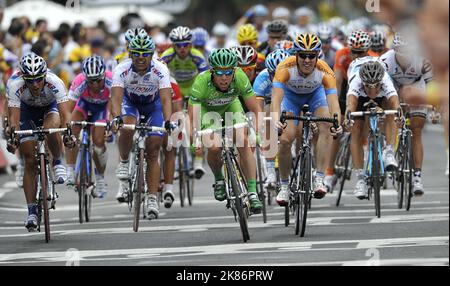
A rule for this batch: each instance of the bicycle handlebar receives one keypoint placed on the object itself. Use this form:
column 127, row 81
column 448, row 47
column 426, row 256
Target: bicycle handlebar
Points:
column 40, row 131
column 143, row 128
column 285, row 117
column 365, row 113
column 87, row 123
column 210, row 131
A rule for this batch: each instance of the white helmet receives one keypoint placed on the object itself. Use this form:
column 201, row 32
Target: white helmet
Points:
column 281, row 12
column 324, row 32
column 180, row 34
column 32, row 65
column 220, row 29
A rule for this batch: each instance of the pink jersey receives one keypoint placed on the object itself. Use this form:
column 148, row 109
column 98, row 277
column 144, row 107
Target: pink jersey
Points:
column 79, row 89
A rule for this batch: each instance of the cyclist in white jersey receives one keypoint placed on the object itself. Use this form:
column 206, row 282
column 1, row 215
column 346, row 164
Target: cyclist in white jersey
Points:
column 37, row 97
column 410, row 72
column 371, row 83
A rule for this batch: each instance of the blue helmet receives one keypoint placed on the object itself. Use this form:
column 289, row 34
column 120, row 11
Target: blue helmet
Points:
column 275, row 58
column 199, row 37
column 94, row 67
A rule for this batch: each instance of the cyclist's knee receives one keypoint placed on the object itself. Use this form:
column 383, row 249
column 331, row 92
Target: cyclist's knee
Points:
column 214, row 151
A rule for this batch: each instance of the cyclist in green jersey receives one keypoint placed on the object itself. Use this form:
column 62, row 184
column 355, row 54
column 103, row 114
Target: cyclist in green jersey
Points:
column 184, row 61
column 216, row 92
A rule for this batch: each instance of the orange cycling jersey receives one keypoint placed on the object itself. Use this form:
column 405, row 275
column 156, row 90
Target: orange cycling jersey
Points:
column 343, row 60
column 287, row 76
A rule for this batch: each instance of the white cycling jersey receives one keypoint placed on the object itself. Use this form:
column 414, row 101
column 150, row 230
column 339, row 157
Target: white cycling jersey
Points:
column 17, row 91
column 418, row 73
column 388, row 90
column 143, row 89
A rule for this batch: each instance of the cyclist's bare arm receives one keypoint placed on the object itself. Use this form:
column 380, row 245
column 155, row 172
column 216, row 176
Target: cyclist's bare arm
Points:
column 14, row 117
column 65, row 113
column 165, row 94
column 275, row 106
column 339, row 80
column 254, row 107
column 116, row 100
column 333, row 105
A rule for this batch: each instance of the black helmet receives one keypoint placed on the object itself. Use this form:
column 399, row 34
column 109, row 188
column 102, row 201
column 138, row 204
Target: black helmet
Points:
column 277, row 27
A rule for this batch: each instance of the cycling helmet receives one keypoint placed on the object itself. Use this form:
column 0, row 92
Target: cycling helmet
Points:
column 32, row 65
column 246, row 55
column 286, row 45
column 378, row 39
column 371, row 72
column 307, row 43
column 222, row 58
column 399, row 41
column 142, row 41
column 94, row 67
column 260, row 10
column 199, row 37
column 220, row 29
column 274, row 59
column 247, row 32
column 324, row 32
column 131, row 33
column 359, row 41
column 180, row 34
column 277, row 27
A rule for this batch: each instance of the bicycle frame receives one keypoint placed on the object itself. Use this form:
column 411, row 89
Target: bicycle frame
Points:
column 374, row 138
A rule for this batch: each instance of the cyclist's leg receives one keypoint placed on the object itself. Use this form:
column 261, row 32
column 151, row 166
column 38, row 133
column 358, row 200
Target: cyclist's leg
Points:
column 390, row 130
column 319, row 107
column 78, row 114
column 54, row 142
column 358, row 136
column 417, row 123
column 130, row 115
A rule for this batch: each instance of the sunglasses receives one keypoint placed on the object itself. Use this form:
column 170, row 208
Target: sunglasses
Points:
column 372, row 86
column 249, row 68
column 223, row 72
column 137, row 54
column 357, row 52
column 182, row 45
column 95, row 80
column 307, row 56
column 31, row 80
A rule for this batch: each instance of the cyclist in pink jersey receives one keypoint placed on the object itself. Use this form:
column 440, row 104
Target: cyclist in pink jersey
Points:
column 89, row 95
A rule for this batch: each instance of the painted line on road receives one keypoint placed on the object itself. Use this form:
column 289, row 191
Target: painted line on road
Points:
column 312, row 222
column 225, row 249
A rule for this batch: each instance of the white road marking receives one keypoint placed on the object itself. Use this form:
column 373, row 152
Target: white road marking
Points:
column 215, row 250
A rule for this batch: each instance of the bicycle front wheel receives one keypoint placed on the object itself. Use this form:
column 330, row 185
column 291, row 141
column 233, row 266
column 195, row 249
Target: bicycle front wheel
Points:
column 408, row 174
column 182, row 175
column 260, row 182
column 138, row 189
column 237, row 191
column 376, row 177
column 44, row 196
column 81, row 185
column 305, row 183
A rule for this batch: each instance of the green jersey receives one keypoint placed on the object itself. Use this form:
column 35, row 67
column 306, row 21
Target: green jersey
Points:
column 185, row 71
column 205, row 94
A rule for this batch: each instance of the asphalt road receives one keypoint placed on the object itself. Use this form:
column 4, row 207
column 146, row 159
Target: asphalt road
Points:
column 206, row 233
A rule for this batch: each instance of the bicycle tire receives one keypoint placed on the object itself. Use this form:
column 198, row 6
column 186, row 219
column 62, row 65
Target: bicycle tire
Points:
column 239, row 204
column 410, row 167
column 304, row 197
column 191, row 181
column 90, row 184
column 376, row 177
column 138, row 188
column 181, row 176
column 81, row 185
column 44, row 194
column 344, row 173
column 260, row 186
column 400, row 173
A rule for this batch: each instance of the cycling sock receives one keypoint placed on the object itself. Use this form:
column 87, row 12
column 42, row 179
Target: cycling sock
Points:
column 320, row 174
column 32, row 209
column 219, row 176
column 329, row 171
column 360, row 174
column 270, row 165
column 251, row 186
column 168, row 187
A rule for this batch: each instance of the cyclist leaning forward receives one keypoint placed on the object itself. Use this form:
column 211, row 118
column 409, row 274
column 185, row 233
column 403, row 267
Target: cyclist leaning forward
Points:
column 89, row 96
column 304, row 79
column 141, row 87
column 217, row 91
column 37, row 97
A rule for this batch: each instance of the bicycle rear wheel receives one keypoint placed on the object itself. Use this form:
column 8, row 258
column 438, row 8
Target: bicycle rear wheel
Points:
column 345, row 172
column 238, row 201
column 138, row 189
column 44, row 196
column 400, row 173
column 181, row 176
column 260, row 183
